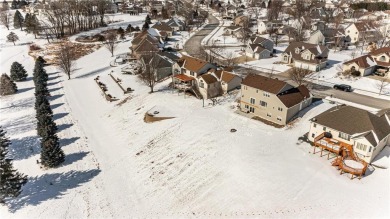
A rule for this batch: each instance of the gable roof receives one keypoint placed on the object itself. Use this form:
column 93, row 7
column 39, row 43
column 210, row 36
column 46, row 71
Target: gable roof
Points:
column 294, row 96
column 225, row 76
column 352, row 121
column 175, row 22
column 258, row 40
column 379, row 51
column 146, row 46
column 267, row 84
column 209, row 78
column 365, row 61
column 313, row 48
column 192, row 63
column 257, row 48
column 161, row 26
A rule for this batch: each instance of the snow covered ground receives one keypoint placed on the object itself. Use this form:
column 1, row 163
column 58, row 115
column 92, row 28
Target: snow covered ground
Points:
column 117, row 166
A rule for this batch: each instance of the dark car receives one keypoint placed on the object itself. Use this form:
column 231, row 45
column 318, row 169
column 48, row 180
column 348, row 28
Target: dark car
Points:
column 343, row 87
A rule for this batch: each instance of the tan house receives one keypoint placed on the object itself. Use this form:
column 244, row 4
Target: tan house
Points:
column 359, row 31
column 365, row 65
column 217, row 83
column 366, row 133
column 272, row 99
column 306, row 55
column 376, row 61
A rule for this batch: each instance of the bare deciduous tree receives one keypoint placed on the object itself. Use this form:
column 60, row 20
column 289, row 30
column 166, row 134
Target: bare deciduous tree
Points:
column 148, row 74
column 381, row 85
column 110, row 43
column 66, row 58
column 274, row 9
column 230, row 59
column 299, row 75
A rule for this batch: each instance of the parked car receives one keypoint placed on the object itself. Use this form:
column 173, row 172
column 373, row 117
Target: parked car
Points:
column 343, row 87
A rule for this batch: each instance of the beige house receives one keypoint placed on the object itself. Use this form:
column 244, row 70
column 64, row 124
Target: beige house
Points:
column 365, row 132
column 365, row 65
column 377, row 60
column 359, row 31
column 306, row 55
column 272, row 99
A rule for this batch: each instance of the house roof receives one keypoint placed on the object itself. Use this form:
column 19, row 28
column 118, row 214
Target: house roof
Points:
column 379, row 51
column 161, row 26
column 209, row 78
column 294, row 96
column 146, row 46
column 234, row 28
column 352, row 121
column 365, row 61
column 225, row 76
column 183, row 77
column 264, row 83
column 313, row 48
column 257, row 48
column 258, row 40
column 192, row 63
column 175, row 22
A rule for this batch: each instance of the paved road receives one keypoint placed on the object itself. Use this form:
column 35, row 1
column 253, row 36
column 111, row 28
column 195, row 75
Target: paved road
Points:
column 194, row 48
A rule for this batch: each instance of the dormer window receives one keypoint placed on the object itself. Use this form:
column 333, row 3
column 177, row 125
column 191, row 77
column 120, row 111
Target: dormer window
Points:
column 297, row 50
column 382, row 58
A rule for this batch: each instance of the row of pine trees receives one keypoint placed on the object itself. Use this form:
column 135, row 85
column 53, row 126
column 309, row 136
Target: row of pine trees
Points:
column 12, row 181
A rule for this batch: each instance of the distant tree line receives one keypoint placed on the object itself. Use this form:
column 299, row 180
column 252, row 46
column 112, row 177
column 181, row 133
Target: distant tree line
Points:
column 371, row 6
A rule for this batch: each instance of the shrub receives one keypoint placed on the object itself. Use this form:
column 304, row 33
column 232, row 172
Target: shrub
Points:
column 34, row 47
column 7, row 86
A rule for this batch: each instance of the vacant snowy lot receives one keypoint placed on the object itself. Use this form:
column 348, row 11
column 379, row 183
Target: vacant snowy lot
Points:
column 189, row 166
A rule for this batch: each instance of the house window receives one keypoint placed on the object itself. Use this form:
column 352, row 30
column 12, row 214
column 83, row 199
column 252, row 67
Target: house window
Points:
column 382, row 58
column 297, row 50
column 348, row 31
column 313, row 135
column 280, row 108
column 192, row 73
column 246, row 106
column 201, row 84
column 263, row 103
column 266, row 94
column 279, row 118
column 344, row 136
column 361, row 146
column 253, row 100
column 285, row 58
column 369, row 150
column 308, row 57
column 257, row 91
column 251, row 109
column 314, row 125
column 269, row 114
column 324, row 128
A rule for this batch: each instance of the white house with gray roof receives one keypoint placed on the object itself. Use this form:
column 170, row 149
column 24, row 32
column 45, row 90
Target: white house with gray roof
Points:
column 368, row 133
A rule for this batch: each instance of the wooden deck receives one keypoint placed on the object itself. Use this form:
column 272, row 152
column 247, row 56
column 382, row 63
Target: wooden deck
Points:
column 343, row 151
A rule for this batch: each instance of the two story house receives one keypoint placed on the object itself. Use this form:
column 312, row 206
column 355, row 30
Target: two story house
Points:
column 367, row 133
column 259, row 47
column 217, row 82
column 376, row 60
column 306, row 55
column 272, row 99
column 360, row 31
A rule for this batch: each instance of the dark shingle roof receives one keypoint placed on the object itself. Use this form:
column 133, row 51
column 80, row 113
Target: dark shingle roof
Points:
column 362, row 61
column 264, row 83
column 351, row 120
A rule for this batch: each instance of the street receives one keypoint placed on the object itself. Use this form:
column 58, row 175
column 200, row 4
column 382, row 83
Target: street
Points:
column 194, row 48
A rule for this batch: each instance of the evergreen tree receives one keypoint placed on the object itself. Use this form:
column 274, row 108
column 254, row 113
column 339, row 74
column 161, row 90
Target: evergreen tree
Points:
column 34, row 25
column 129, row 28
column 39, row 73
column 148, row 20
column 11, row 180
column 42, row 106
column 14, row 4
column 51, row 153
column 7, row 86
column 145, row 26
column 18, row 20
column 45, row 125
column 18, row 73
column 27, row 22
column 41, row 88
